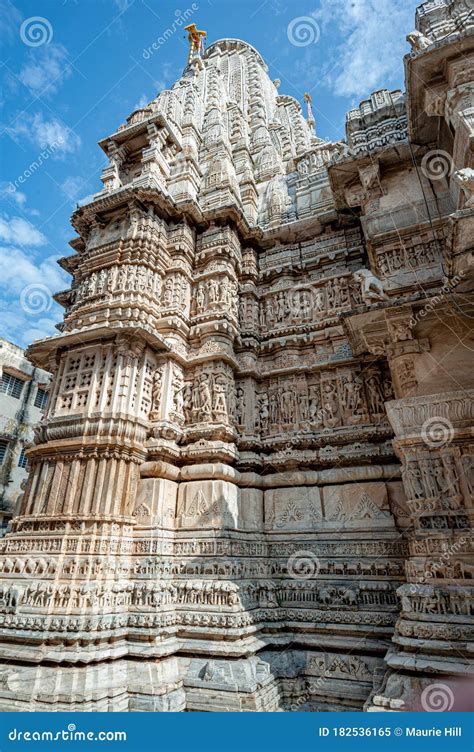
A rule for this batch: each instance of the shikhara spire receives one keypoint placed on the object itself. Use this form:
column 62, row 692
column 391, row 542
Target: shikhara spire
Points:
column 229, row 136
column 239, row 495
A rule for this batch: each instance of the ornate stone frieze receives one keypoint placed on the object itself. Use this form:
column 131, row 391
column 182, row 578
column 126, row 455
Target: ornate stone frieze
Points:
column 379, row 122
column 258, row 426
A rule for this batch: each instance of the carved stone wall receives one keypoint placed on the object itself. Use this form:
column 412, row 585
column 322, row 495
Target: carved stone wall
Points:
column 231, row 500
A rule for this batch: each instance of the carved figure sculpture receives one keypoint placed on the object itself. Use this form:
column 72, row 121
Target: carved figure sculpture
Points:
column 372, row 288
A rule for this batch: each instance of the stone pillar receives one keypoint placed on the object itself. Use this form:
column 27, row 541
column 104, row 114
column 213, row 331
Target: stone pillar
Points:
column 111, row 174
column 434, row 443
column 401, row 350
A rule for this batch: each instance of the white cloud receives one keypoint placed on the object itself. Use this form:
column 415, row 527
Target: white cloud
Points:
column 19, row 269
column 10, row 20
column 19, row 198
column 371, row 54
column 22, row 329
column 45, row 134
column 19, row 232
column 123, row 5
column 142, row 102
column 168, row 76
column 8, row 191
column 46, row 68
column 73, row 186
column 27, row 284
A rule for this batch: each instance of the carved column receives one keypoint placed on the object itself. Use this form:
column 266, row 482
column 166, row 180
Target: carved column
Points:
column 111, row 174
column 434, row 443
column 401, row 350
column 205, row 392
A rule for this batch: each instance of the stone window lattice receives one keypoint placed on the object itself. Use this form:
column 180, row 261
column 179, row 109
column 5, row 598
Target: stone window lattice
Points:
column 146, row 397
column 77, row 381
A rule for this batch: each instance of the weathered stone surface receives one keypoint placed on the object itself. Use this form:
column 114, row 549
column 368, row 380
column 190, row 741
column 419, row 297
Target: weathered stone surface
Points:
column 253, row 487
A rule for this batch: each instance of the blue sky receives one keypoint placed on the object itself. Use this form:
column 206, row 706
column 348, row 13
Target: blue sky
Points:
column 71, row 77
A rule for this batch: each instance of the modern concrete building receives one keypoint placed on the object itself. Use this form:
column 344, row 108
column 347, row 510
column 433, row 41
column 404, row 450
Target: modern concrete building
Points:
column 23, row 398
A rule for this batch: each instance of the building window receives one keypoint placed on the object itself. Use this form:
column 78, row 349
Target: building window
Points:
column 23, row 460
column 11, row 385
column 3, row 449
column 41, row 398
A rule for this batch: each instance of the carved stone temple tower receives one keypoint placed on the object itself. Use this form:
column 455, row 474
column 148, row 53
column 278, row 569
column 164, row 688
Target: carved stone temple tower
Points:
column 252, row 489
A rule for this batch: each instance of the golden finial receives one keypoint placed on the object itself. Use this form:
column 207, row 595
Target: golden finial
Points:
column 196, row 41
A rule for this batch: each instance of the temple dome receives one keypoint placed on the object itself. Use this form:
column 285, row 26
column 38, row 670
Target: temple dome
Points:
column 234, row 45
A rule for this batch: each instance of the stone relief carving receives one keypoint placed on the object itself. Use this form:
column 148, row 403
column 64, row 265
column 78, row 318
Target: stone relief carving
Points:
column 418, row 41
column 327, row 400
column 175, row 292
column 372, row 289
column 212, row 421
column 216, row 293
column 465, row 180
